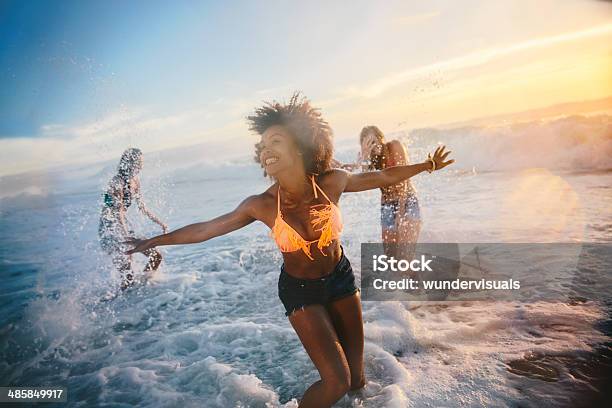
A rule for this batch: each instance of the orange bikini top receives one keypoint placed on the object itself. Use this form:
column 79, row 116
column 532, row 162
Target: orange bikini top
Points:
column 327, row 220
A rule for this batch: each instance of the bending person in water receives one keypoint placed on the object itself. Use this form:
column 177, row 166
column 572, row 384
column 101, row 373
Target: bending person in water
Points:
column 113, row 228
column 400, row 215
column 316, row 283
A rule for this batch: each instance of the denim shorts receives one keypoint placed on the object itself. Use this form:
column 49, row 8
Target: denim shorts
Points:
column 389, row 211
column 296, row 293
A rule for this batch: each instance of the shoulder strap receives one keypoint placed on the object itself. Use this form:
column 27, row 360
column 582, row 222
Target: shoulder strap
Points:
column 278, row 201
column 315, row 186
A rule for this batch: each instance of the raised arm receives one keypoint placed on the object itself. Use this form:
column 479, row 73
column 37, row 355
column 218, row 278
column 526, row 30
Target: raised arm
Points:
column 396, row 174
column 397, row 154
column 143, row 208
column 202, row 231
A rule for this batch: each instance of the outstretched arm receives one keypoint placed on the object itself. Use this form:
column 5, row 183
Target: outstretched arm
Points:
column 201, row 231
column 396, row 174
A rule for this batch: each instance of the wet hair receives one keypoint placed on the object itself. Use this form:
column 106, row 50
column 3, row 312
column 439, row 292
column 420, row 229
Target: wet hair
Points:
column 376, row 161
column 309, row 131
column 130, row 159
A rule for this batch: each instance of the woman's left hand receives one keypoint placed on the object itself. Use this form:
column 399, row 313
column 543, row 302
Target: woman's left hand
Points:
column 439, row 157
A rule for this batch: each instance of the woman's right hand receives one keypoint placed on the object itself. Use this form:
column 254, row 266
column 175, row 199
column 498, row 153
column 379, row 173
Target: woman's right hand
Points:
column 139, row 245
column 367, row 148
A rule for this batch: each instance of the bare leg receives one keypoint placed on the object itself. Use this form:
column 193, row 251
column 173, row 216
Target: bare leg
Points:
column 316, row 331
column 348, row 322
column 409, row 230
column 390, row 239
column 123, row 263
column 399, row 242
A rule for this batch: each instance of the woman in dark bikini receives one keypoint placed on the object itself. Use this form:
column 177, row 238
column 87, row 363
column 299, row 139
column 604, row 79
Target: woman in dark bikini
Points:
column 113, row 228
column 316, row 284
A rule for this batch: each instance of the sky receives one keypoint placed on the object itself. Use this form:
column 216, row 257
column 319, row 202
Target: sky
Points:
column 82, row 80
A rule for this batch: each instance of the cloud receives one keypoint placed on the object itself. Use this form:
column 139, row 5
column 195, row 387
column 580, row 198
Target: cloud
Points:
column 108, row 136
column 414, row 19
column 379, row 86
column 105, row 125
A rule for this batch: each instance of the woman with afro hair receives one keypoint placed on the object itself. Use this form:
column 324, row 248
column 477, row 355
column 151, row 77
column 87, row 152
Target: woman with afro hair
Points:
column 316, row 283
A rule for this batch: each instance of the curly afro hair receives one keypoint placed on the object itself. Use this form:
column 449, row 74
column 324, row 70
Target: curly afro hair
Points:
column 310, row 132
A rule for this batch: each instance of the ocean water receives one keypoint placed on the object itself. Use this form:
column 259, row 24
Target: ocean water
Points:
column 208, row 330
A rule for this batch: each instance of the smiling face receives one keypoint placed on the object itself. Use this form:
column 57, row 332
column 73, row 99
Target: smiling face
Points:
column 278, row 151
